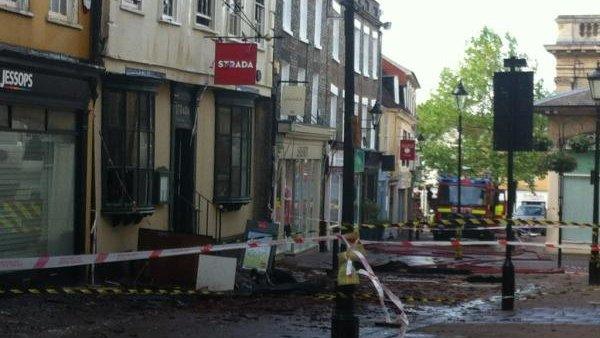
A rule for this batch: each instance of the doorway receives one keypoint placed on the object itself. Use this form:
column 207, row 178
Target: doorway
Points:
column 183, row 208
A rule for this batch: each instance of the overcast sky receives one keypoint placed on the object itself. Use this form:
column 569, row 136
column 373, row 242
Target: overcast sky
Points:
column 428, row 35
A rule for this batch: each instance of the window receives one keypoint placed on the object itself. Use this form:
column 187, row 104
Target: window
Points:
column 333, row 107
column 204, row 13
column 318, row 22
column 314, row 108
column 301, row 82
column 287, row 16
column 128, row 151
column 232, row 154
column 335, row 45
column 376, row 56
column 373, row 130
column 364, row 119
column 132, row 4
column 259, row 16
column 285, row 72
column 64, row 10
column 366, row 45
column 357, row 35
column 234, row 21
column 169, row 12
column 18, row 5
column 304, row 20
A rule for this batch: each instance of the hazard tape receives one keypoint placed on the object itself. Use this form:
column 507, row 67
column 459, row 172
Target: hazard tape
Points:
column 502, row 243
column 49, row 262
column 104, row 291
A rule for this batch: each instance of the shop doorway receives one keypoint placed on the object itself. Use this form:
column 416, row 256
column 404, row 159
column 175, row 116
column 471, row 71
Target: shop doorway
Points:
column 183, row 207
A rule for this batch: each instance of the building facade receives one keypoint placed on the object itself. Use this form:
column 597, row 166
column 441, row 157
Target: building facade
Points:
column 397, row 123
column 175, row 151
column 47, row 102
column 571, row 113
column 367, row 69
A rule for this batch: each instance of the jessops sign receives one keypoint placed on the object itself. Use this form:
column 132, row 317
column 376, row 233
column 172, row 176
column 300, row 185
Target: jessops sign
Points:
column 15, row 80
column 235, row 63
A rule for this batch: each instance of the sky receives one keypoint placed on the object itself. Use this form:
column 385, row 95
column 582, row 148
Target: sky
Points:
column 428, row 35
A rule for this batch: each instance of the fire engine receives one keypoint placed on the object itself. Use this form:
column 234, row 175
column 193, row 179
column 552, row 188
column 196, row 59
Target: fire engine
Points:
column 480, row 198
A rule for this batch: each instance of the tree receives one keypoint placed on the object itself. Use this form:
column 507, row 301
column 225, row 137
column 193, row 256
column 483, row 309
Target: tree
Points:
column 438, row 116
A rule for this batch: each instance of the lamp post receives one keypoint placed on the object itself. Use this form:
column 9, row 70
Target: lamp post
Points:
column 594, row 267
column 376, row 115
column 460, row 94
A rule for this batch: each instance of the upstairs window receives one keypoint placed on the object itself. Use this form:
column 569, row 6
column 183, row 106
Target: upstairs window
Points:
column 366, row 44
column 234, row 22
column 376, row 54
column 304, row 20
column 287, row 16
column 335, row 39
column 318, row 22
column 170, row 8
column 259, row 17
column 132, row 4
column 63, row 10
column 357, row 35
column 16, row 5
column 204, row 13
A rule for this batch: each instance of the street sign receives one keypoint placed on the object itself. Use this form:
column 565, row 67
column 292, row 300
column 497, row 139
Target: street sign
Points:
column 513, row 111
column 235, row 63
column 407, row 150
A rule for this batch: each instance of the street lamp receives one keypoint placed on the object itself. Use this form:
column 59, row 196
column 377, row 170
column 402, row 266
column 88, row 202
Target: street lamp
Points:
column 594, row 268
column 460, row 94
column 376, row 115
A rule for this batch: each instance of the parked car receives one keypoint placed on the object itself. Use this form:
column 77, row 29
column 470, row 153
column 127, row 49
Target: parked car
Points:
column 531, row 212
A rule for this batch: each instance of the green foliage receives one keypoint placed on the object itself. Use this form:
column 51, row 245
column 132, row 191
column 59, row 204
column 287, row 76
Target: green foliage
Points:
column 580, row 143
column 371, row 211
column 438, row 116
column 561, row 162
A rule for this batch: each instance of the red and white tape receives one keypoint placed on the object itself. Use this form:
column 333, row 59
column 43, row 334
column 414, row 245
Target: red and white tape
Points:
column 50, row 262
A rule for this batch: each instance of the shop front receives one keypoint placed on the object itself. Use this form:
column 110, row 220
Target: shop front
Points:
column 299, row 179
column 43, row 127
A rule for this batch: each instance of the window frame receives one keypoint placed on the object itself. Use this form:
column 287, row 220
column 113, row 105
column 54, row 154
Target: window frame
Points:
column 286, row 17
column 366, row 34
column 173, row 17
column 19, row 6
column 123, row 170
column 260, row 11
column 318, row 24
column 357, row 49
column 208, row 17
column 231, row 14
column 303, row 22
column 72, row 12
column 131, row 5
column 246, row 116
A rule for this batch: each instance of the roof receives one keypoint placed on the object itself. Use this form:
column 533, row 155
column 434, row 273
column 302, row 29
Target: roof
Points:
column 404, row 74
column 574, row 101
column 574, row 98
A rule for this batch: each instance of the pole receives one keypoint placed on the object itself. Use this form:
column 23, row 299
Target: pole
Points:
column 594, row 268
column 561, row 190
column 458, row 232
column 344, row 322
column 508, row 269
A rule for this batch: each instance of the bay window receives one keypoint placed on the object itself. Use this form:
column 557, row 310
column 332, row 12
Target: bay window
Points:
column 127, row 151
column 232, row 154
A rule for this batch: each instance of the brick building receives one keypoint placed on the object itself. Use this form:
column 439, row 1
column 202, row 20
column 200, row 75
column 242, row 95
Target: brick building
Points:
column 309, row 56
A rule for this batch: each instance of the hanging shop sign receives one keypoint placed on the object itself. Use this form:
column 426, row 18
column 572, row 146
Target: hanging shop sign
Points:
column 293, row 99
column 235, row 63
column 407, row 150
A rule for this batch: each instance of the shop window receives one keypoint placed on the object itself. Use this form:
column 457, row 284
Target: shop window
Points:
column 204, row 13
column 128, row 151
column 61, row 120
column 232, row 154
column 37, row 189
column 4, row 116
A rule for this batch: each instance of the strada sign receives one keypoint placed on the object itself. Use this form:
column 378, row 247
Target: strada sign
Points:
column 235, row 63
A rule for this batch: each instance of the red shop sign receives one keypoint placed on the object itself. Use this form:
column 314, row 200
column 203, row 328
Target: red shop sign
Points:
column 235, row 63
column 407, row 150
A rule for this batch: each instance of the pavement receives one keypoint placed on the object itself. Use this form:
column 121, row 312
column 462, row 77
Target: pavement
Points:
column 443, row 297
